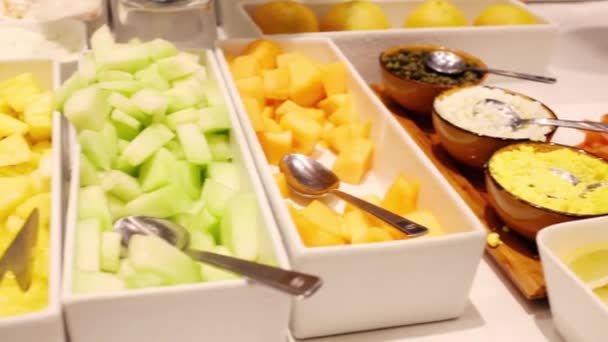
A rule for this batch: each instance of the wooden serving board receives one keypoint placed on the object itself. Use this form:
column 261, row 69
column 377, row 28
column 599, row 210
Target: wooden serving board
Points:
column 517, row 257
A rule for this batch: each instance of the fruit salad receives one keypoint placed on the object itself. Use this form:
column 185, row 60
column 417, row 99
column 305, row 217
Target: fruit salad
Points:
column 296, row 105
column 155, row 140
column 25, row 179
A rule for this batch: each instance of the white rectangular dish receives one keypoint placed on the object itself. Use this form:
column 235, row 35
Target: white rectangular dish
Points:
column 215, row 311
column 579, row 314
column 498, row 46
column 47, row 324
column 379, row 285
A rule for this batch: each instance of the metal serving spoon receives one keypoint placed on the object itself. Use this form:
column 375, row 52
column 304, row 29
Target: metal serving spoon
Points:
column 309, row 178
column 515, row 121
column 294, row 283
column 19, row 255
column 447, row 62
column 574, row 180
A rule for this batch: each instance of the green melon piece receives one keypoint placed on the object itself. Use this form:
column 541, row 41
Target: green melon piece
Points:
column 121, row 164
column 110, row 140
column 185, row 95
column 150, row 78
column 240, row 227
column 194, row 144
column 112, row 76
column 125, row 105
column 142, row 280
column 110, row 251
column 176, row 149
column 88, row 245
column 102, row 43
column 147, row 143
column 216, row 195
column 87, row 68
column 175, row 67
column 96, row 282
column 208, row 223
column 165, row 202
column 219, row 145
column 129, row 58
column 88, row 172
column 116, row 206
column 92, row 203
column 151, row 102
column 226, row 173
column 201, row 241
column 182, row 117
column 124, row 87
column 214, row 120
column 160, row 48
column 213, row 93
column 87, row 108
column 121, row 185
column 69, row 87
column 189, row 176
column 127, row 127
column 93, row 147
column 158, row 171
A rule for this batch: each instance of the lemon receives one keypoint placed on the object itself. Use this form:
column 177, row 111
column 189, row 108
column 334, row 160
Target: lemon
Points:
column 505, row 14
column 278, row 17
column 435, row 13
column 590, row 264
column 355, row 15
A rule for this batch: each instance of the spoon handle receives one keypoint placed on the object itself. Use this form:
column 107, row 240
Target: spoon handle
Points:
column 294, row 283
column 529, row 77
column 589, row 126
column 408, row 227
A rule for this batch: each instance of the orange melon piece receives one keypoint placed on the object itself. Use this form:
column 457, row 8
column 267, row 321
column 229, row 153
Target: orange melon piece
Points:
column 402, row 196
column 245, row 67
column 252, row 87
column 306, row 131
column 279, row 178
column 344, row 115
column 373, row 234
column 268, row 112
column 287, row 107
column 270, row 125
column 276, row 145
column 341, row 136
column 355, row 225
column 354, row 161
column 332, row 103
column 265, row 51
column 323, row 216
column 305, row 83
column 334, row 78
column 283, row 60
column 254, row 111
column 276, row 84
column 311, row 233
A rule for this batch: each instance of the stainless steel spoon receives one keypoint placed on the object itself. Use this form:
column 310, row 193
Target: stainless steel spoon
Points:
column 294, row 283
column 574, row 180
column 515, row 121
column 309, row 178
column 447, row 62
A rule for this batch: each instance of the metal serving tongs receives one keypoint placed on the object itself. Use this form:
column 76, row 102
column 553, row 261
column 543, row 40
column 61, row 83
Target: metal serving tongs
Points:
column 19, row 256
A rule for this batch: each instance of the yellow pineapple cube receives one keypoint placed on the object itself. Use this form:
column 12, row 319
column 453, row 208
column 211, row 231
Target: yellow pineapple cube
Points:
column 254, row 111
column 334, row 102
column 266, row 51
column 252, row 87
column 276, row 145
column 334, row 78
column 402, row 196
column 14, row 150
column 287, row 107
column 42, row 202
column 355, row 225
column 281, row 181
column 39, row 116
column 305, row 83
column 343, row 116
column 9, row 125
column 306, row 131
column 271, row 126
column 316, row 114
column 328, row 127
column 19, row 90
column 341, row 136
column 354, row 161
column 373, row 234
column 268, row 112
column 285, row 59
column 15, row 190
column 427, row 219
column 324, row 217
column 5, row 107
column 311, row 233
column 276, row 84
column 245, row 67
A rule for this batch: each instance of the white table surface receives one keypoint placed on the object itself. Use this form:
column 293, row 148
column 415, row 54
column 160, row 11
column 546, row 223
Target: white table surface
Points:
column 496, row 311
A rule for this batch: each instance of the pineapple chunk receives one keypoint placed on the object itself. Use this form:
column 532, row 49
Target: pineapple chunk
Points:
column 19, row 90
column 252, row 87
column 39, row 116
column 5, row 107
column 402, row 196
column 334, row 78
column 311, row 233
column 281, row 181
column 245, row 67
column 276, row 84
column 9, row 125
column 354, row 161
column 270, row 125
column 355, row 225
column 343, row 116
column 42, row 202
column 306, row 131
column 334, row 102
column 254, row 112
column 276, row 145
column 268, row 112
column 427, row 219
column 306, row 83
column 341, row 136
column 14, row 191
column 285, row 59
column 324, row 217
column 14, row 150
column 373, row 234
column 266, row 51
column 287, row 107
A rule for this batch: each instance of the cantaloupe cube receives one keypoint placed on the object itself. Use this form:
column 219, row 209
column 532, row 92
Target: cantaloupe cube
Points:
column 9, row 125
column 276, row 145
column 266, row 51
column 355, row 225
column 306, row 131
column 334, row 102
column 305, row 83
column 281, row 181
column 402, row 196
column 287, row 107
column 334, row 78
column 373, row 234
column 15, row 190
column 276, row 84
column 341, row 136
column 270, row 125
column 316, row 114
column 19, row 90
column 38, row 115
column 324, row 217
column 14, row 150
column 311, row 233
column 252, row 87
column 427, row 219
column 344, row 115
column 354, row 161
column 245, row 67
column 328, row 127
column 268, row 112
column 285, row 59
column 254, row 111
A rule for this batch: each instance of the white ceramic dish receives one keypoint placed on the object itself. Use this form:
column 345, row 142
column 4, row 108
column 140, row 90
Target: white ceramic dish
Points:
column 579, row 315
column 44, row 325
column 498, row 46
column 223, row 311
column 375, row 285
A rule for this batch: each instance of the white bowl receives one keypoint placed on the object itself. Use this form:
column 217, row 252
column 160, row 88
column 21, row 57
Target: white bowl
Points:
column 48, row 322
column 579, row 314
column 221, row 311
column 506, row 47
column 375, row 285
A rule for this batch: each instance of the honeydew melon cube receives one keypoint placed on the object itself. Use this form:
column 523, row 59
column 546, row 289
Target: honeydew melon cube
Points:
column 88, row 245
column 157, row 171
column 102, row 43
column 216, row 195
column 123, row 165
column 213, row 93
column 214, row 119
column 9, row 125
column 147, row 143
column 14, row 191
column 14, row 150
column 151, row 254
column 125, row 105
column 226, row 173
column 125, row 270
column 190, row 115
column 151, row 78
column 96, row 282
column 151, row 102
column 200, row 241
column 121, row 185
column 124, row 87
column 165, row 202
column 94, row 148
column 110, row 251
column 92, row 204
column 87, row 108
column 141, row 280
column 122, row 144
column 110, row 139
column 127, row 127
column 176, row 149
column 160, row 48
column 185, row 95
column 194, row 144
column 240, row 227
column 212, row 273
column 219, row 145
column 113, row 76
column 129, row 58
column 116, row 206
column 88, row 172
column 70, row 86
column 189, row 176
column 208, row 223
column 177, row 67
column 87, row 67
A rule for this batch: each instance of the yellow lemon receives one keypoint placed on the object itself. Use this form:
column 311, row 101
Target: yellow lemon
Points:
column 435, row 13
column 277, row 17
column 355, row 15
column 505, row 14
